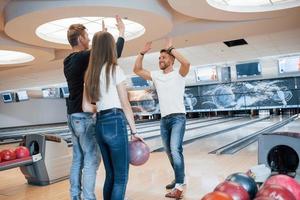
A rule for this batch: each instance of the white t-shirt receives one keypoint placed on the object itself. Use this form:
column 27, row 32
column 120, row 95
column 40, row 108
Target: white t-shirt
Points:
column 110, row 98
column 170, row 91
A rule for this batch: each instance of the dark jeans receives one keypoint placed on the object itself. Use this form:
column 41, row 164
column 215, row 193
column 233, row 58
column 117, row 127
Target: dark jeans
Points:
column 112, row 137
column 172, row 132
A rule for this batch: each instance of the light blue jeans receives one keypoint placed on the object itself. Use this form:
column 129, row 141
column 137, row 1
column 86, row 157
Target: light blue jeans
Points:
column 86, row 156
column 172, row 132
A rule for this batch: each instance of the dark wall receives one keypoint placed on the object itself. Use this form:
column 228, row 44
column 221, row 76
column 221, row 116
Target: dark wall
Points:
column 258, row 94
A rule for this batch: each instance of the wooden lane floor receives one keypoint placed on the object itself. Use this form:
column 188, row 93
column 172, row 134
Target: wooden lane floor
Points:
column 203, row 172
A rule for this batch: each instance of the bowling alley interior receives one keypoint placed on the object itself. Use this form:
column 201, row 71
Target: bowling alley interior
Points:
column 241, row 96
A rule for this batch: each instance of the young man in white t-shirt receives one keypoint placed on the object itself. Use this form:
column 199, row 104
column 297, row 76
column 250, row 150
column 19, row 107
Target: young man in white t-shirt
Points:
column 170, row 84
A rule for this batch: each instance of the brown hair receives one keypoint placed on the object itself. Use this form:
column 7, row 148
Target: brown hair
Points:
column 167, row 52
column 103, row 52
column 74, row 31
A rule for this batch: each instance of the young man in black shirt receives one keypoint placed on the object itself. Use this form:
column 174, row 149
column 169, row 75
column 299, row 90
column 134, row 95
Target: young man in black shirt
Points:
column 86, row 154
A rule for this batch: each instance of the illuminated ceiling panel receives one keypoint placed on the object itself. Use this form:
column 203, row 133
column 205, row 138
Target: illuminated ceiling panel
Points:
column 253, row 5
column 56, row 31
column 14, row 57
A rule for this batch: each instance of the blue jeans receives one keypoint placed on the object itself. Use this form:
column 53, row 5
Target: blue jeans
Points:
column 112, row 137
column 86, row 156
column 172, row 132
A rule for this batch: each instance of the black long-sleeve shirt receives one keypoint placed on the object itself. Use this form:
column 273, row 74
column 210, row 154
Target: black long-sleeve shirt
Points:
column 75, row 66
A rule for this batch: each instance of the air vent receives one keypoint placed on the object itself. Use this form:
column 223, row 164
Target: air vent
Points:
column 233, row 43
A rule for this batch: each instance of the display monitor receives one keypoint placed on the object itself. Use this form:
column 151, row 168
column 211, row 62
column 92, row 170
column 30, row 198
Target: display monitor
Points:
column 226, row 74
column 22, row 96
column 206, row 73
column 7, row 97
column 51, row 93
column 64, row 91
column 244, row 70
column 289, row 64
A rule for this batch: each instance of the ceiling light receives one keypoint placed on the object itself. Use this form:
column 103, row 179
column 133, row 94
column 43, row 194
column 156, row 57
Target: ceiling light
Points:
column 14, row 57
column 56, row 31
column 253, row 5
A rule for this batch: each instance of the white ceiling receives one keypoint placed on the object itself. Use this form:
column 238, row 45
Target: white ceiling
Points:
column 197, row 33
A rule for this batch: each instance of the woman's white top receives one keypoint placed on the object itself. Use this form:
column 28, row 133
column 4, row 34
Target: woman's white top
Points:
column 110, row 98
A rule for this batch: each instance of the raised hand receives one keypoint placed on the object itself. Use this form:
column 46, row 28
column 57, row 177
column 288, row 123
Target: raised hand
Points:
column 169, row 43
column 146, row 48
column 120, row 25
column 103, row 26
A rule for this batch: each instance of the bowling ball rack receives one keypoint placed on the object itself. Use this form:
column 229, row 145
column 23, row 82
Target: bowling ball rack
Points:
column 50, row 161
column 20, row 162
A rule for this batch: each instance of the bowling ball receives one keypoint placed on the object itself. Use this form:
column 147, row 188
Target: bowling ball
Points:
column 22, row 152
column 275, row 191
column 236, row 191
column 245, row 181
column 287, row 182
column 217, row 196
column 139, row 152
column 8, row 154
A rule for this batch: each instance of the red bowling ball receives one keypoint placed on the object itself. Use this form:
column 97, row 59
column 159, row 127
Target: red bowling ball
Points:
column 276, row 192
column 139, row 152
column 236, row 191
column 22, row 152
column 287, row 182
column 8, row 154
column 217, row 196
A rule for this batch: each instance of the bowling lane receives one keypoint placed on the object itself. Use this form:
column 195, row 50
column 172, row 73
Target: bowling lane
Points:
column 293, row 126
column 155, row 129
column 157, row 123
column 290, row 127
column 25, row 130
column 156, row 143
column 203, row 171
column 57, row 128
column 63, row 130
column 217, row 141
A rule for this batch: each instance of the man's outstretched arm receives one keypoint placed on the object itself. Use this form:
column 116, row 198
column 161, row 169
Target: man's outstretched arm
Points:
column 138, row 66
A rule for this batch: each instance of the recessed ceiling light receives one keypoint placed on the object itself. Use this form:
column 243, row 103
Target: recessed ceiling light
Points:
column 56, row 31
column 14, row 57
column 253, row 5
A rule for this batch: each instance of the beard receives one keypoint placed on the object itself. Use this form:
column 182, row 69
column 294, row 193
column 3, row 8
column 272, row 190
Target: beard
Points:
column 163, row 66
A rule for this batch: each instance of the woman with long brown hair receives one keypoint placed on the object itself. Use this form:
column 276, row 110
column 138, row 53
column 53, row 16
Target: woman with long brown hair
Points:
column 105, row 84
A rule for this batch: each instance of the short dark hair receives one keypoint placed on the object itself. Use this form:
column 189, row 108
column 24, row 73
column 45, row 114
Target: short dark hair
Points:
column 167, row 52
column 74, row 31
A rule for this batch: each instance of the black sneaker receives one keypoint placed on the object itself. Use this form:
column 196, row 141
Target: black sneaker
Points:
column 171, row 185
